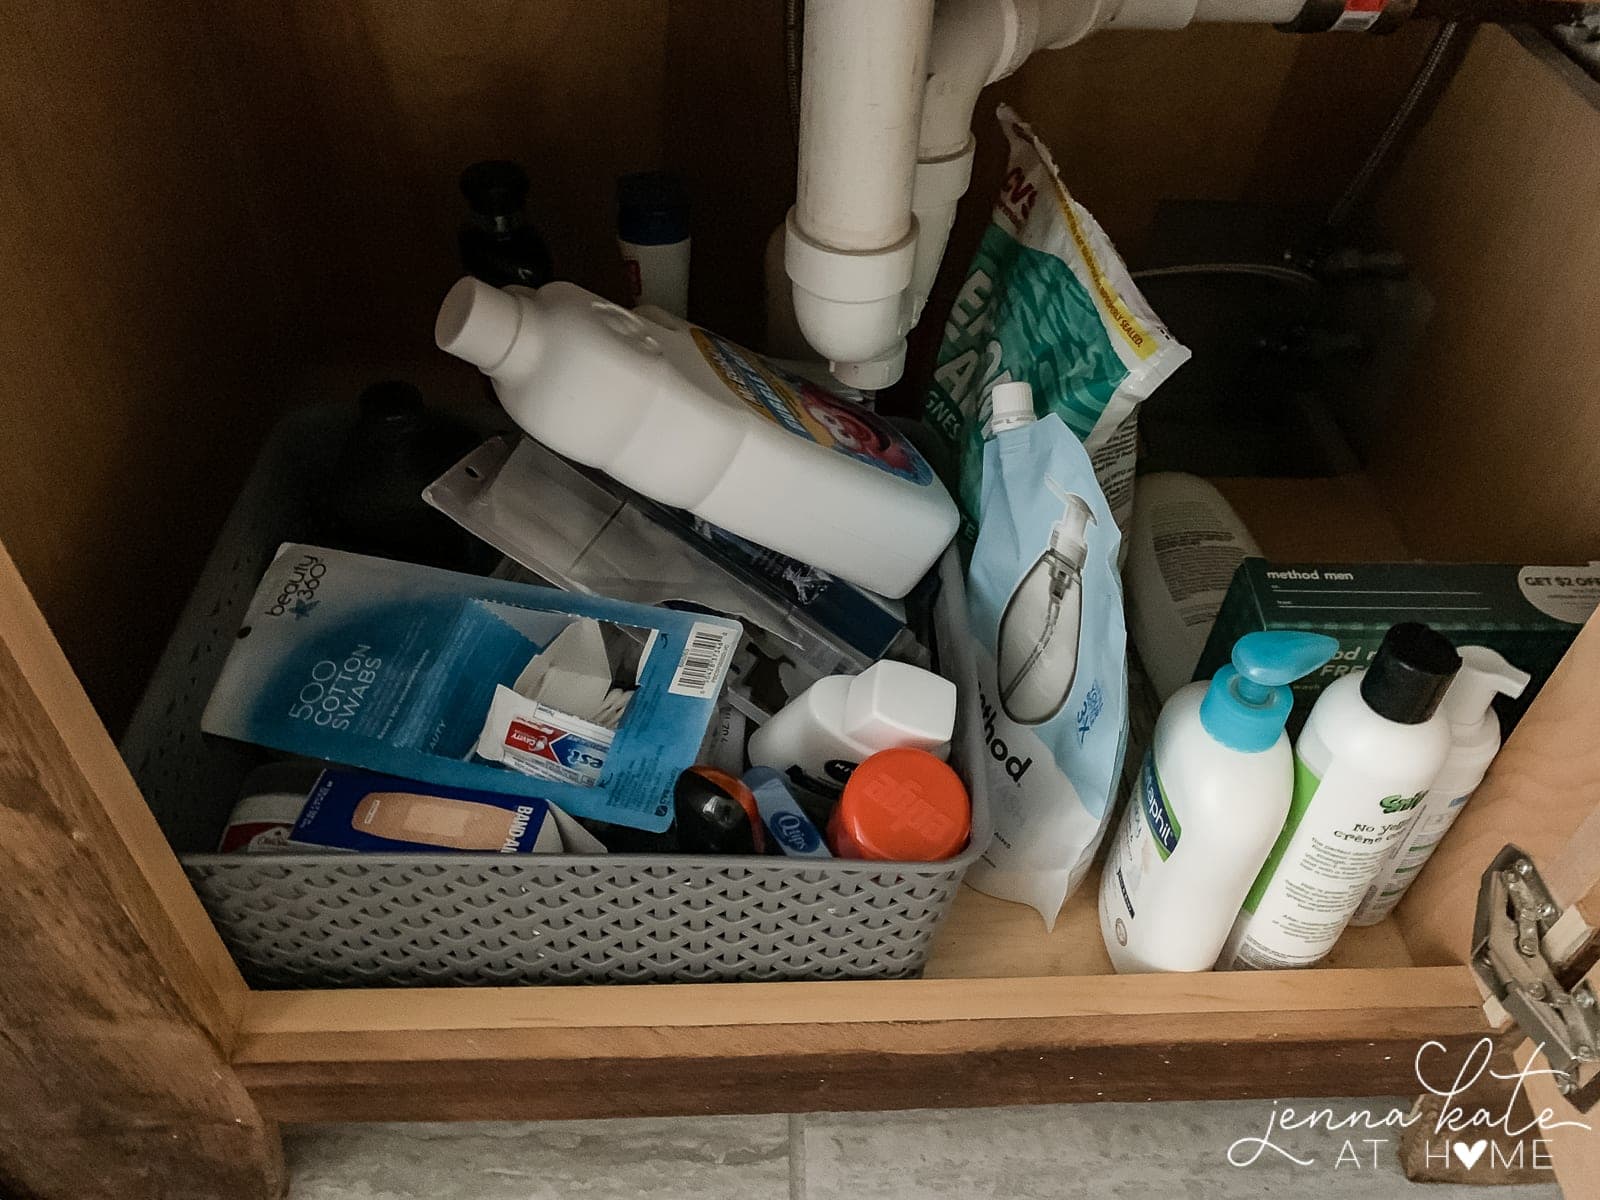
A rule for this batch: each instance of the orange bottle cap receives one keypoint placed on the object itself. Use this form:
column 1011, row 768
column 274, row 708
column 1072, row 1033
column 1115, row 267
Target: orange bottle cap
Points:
column 901, row 806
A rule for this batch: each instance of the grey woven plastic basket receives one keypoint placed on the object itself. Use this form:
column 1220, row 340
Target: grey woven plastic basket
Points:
column 315, row 920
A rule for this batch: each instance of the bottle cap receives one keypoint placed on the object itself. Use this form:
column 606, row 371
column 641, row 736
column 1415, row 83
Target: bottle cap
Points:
column 901, row 806
column 478, row 322
column 497, row 188
column 652, row 209
column 716, row 813
column 1010, row 407
column 1409, row 673
column 896, row 704
column 1248, row 702
column 1484, row 675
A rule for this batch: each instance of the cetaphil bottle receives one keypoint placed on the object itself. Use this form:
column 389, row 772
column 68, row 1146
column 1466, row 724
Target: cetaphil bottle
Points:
column 1208, row 804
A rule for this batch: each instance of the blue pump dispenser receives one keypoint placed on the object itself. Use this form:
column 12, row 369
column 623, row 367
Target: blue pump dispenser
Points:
column 1248, row 703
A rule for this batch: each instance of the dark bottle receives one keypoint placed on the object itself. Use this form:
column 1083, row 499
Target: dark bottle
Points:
column 716, row 813
column 373, row 503
column 498, row 245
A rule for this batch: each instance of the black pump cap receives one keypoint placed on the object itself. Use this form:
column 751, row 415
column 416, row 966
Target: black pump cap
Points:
column 496, row 188
column 1409, row 674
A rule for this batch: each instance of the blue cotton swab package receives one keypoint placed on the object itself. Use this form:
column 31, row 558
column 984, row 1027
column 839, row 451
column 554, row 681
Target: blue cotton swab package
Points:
column 592, row 704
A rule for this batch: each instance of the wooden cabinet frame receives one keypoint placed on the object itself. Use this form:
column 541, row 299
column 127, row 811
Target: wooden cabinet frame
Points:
column 137, row 1062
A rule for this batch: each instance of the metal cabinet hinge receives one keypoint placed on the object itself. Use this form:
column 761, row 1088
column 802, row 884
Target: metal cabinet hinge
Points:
column 1509, row 956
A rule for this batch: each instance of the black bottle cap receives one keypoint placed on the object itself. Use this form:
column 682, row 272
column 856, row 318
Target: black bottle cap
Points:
column 496, row 188
column 1409, row 674
column 716, row 814
column 652, row 208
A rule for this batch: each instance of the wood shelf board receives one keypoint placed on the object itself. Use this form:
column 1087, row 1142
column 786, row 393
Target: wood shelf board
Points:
column 678, row 1049
column 986, row 938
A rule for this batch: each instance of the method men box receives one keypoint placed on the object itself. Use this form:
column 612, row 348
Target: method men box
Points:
column 1529, row 614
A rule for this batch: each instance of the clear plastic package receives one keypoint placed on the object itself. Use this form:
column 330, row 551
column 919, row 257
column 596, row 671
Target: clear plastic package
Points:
column 582, row 532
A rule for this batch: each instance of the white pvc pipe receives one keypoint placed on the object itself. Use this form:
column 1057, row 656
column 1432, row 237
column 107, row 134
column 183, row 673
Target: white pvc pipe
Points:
column 886, row 107
column 1063, row 22
column 974, row 43
column 1274, row 12
column 860, row 101
column 970, row 39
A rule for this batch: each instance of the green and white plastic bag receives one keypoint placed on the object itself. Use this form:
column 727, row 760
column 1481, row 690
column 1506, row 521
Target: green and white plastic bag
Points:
column 1049, row 302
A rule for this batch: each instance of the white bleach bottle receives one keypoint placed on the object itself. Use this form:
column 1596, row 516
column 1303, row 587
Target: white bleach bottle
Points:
column 693, row 421
column 1208, row 805
column 1474, row 741
column 1370, row 749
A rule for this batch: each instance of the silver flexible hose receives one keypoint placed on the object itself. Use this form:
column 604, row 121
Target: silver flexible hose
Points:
column 1290, row 275
column 1356, row 191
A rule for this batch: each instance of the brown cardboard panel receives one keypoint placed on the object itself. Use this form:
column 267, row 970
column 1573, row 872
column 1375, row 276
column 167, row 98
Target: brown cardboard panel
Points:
column 1492, row 456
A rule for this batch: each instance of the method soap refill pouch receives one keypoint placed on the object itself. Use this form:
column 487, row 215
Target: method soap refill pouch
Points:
column 393, row 668
column 1045, row 606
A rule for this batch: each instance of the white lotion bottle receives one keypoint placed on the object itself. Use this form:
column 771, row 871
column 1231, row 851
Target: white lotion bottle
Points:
column 693, row 421
column 1037, row 651
column 820, row 736
column 1183, row 548
column 1474, row 741
column 1370, row 749
column 1208, row 805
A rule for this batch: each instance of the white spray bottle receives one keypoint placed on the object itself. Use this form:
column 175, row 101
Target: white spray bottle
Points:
column 1474, row 741
column 1038, row 640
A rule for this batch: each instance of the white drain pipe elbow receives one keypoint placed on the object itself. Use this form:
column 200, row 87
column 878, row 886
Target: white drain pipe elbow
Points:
column 975, row 42
column 850, row 237
column 886, row 102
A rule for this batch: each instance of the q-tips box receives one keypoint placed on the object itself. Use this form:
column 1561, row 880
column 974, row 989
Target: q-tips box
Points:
column 592, row 704
column 1530, row 614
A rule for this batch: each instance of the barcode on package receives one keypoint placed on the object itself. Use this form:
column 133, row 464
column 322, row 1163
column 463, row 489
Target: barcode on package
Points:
column 704, row 662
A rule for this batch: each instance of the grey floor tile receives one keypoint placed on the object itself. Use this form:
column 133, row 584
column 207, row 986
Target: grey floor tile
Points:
column 1170, row 1151
column 705, row 1158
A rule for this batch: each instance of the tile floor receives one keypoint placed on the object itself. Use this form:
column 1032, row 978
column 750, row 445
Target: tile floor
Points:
column 1171, row 1151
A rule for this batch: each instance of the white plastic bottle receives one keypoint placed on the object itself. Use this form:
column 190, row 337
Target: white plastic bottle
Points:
column 653, row 236
column 693, row 421
column 1474, row 741
column 821, row 735
column 1207, row 807
column 1372, row 745
column 1184, row 546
